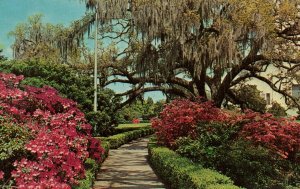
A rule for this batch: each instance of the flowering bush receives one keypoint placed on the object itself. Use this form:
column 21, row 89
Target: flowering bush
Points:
column 135, row 121
column 61, row 139
column 180, row 118
column 281, row 135
column 266, row 148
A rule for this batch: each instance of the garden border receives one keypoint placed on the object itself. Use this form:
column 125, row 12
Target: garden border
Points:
column 179, row 172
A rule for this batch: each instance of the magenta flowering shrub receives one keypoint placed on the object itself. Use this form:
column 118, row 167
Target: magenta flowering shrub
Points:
column 180, row 118
column 280, row 135
column 61, row 137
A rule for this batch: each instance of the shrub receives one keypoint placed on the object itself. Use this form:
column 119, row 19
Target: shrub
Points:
column 115, row 141
column 251, row 162
column 60, row 139
column 180, row 117
column 277, row 110
column 180, row 172
column 135, row 121
column 118, row 130
column 91, row 167
column 13, row 138
column 71, row 83
column 280, row 135
column 256, row 150
column 251, row 166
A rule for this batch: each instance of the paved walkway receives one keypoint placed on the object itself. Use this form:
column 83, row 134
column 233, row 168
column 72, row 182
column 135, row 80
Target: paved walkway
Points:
column 127, row 168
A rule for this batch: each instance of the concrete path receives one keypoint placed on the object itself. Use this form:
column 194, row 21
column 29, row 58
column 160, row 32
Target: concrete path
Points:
column 127, row 168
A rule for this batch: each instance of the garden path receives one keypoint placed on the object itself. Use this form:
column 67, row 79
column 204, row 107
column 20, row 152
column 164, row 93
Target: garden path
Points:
column 127, row 168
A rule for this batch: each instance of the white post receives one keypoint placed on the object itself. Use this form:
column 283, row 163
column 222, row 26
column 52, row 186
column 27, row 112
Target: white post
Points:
column 95, row 68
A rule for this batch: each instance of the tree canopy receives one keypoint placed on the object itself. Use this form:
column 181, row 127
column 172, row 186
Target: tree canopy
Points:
column 191, row 48
column 37, row 40
column 197, row 47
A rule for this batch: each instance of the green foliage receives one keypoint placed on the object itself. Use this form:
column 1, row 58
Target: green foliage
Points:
column 217, row 146
column 140, row 109
column 180, row 172
column 249, row 166
column 222, row 186
column 250, row 98
column 190, row 148
column 277, row 110
column 91, row 167
column 62, row 77
column 2, row 57
column 119, row 129
column 36, row 40
column 101, row 121
column 106, row 146
column 12, row 141
column 104, row 120
column 115, row 141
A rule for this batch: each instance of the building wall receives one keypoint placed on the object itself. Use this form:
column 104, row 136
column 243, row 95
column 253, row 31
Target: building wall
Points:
column 274, row 96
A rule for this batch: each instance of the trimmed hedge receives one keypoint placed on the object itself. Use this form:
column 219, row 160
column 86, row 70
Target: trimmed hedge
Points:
column 118, row 140
column 179, row 172
column 119, row 130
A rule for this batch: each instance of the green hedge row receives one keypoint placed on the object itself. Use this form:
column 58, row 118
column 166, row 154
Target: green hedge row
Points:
column 119, row 130
column 179, row 172
column 118, row 140
column 130, row 122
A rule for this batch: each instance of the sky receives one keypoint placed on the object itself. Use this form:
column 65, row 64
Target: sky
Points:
column 63, row 12
column 13, row 12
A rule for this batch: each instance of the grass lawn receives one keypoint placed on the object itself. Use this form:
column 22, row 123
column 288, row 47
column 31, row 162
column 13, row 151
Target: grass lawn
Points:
column 134, row 125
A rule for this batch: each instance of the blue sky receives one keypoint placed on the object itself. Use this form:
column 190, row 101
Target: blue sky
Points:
column 63, row 12
column 13, row 12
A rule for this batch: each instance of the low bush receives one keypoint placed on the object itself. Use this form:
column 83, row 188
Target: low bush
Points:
column 73, row 84
column 115, row 141
column 118, row 130
column 180, row 117
column 13, row 138
column 257, row 151
column 250, row 163
column 180, row 172
column 280, row 135
column 277, row 110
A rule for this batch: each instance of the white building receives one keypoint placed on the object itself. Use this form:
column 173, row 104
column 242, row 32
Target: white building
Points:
column 271, row 96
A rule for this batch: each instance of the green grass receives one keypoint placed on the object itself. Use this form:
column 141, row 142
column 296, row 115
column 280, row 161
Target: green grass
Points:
column 134, row 125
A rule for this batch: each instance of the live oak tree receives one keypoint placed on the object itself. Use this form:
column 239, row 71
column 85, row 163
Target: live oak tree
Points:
column 196, row 48
column 192, row 48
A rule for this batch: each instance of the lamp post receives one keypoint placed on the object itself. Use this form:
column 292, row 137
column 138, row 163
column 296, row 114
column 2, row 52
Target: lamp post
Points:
column 96, row 64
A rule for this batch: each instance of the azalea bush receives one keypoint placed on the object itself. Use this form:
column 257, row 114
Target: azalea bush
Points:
column 136, row 121
column 180, row 117
column 54, row 142
column 256, row 150
column 73, row 83
column 280, row 135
